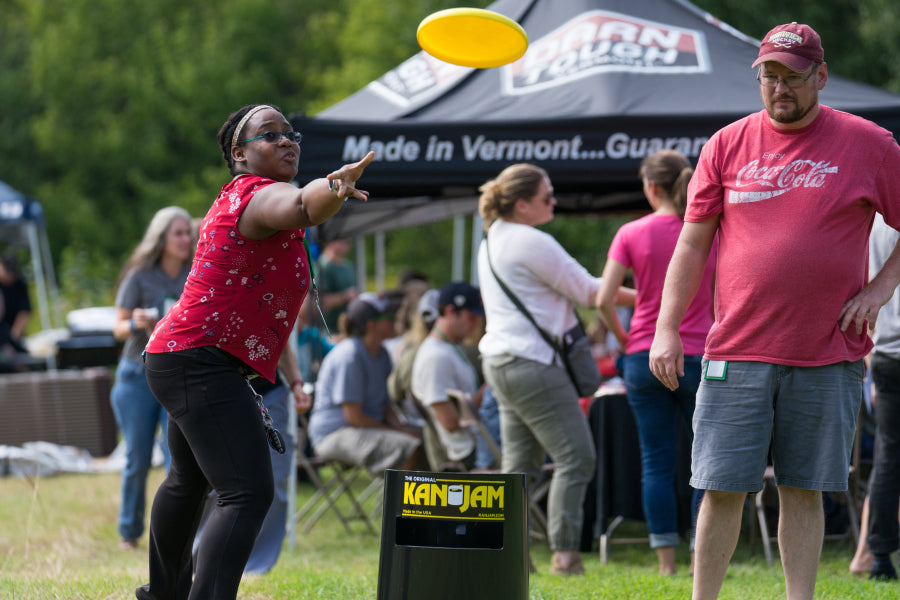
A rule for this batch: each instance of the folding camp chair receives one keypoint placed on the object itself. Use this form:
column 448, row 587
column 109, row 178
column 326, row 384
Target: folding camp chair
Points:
column 338, row 484
column 851, row 533
column 852, row 500
column 468, row 416
column 435, row 452
column 537, row 493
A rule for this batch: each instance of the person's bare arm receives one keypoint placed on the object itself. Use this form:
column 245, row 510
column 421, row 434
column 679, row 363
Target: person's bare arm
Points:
column 353, row 413
column 864, row 306
column 19, row 324
column 446, row 415
column 282, row 206
column 128, row 321
column 287, row 364
column 682, row 282
column 613, row 276
column 625, row 296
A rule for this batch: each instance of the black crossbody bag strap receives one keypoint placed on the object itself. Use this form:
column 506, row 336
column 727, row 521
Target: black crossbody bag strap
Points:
column 515, row 300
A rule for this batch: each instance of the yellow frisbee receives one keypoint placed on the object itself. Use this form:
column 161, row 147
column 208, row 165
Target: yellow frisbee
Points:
column 472, row 37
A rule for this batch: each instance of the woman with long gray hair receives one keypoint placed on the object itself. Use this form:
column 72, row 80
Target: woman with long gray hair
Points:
column 151, row 281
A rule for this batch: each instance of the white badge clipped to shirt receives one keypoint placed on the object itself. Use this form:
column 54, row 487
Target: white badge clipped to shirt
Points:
column 716, row 369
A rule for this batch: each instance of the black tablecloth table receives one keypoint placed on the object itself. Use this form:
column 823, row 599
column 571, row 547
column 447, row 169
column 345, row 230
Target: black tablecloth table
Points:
column 615, row 493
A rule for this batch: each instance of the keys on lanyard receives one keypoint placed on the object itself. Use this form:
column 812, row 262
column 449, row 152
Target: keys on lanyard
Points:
column 276, row 441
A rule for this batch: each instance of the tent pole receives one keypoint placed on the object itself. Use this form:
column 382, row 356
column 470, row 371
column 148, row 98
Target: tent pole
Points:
column 38, row 267
column 379, row 261
column 359, row 244
column 459, row 239
column 292, row 474
column 52, row 285
column 477, row 236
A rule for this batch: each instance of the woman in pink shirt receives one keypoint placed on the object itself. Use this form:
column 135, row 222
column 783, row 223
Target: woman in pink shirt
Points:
column 646, row 246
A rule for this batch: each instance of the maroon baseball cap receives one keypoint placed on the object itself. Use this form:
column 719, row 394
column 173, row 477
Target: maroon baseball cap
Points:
column 795, row 46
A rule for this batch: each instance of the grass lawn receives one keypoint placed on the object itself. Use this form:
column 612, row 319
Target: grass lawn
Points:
column 58, row 541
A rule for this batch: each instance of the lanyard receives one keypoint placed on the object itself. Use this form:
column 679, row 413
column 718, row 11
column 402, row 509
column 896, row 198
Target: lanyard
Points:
column 312, row 276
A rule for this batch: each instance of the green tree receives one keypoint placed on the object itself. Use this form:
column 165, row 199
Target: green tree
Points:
column 110, row 108
column 859, row 38
column 879, row 44
column 19, row 105
column 376, row 36
column 132, row 95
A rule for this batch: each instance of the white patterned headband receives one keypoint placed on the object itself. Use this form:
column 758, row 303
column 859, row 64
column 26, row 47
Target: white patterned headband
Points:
column 243, row 121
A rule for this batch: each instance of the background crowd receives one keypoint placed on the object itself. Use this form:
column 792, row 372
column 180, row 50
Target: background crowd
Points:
column 383, row 363
column 430, row 375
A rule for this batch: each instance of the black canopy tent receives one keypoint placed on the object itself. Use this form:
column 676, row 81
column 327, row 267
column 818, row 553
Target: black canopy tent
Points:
column 22, row 225
column 603, row 84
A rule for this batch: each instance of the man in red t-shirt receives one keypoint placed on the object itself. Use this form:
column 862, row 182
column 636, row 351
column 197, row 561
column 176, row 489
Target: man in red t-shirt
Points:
column 791, row 191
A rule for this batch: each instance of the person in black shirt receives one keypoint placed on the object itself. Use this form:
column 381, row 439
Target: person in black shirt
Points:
column 16, row 305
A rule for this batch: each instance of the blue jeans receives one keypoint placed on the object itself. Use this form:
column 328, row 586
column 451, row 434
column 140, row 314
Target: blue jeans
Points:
column 489, row 413
column 137, row 414
column 656, row 412
column 884, row 482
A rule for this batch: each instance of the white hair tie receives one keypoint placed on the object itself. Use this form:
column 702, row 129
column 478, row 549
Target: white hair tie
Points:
column 243, row 121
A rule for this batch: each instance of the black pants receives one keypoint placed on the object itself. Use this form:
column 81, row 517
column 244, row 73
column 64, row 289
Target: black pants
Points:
column 217, row 440
column 884, row 482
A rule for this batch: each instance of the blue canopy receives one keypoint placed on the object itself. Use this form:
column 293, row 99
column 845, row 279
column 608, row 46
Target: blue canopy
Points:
column 22, row 224
column 17, row 209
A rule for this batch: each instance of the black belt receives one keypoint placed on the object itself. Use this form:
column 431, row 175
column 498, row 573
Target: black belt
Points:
column 242, row 367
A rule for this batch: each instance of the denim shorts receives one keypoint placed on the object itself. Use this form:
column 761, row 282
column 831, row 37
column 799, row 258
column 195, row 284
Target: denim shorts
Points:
column 808, row 414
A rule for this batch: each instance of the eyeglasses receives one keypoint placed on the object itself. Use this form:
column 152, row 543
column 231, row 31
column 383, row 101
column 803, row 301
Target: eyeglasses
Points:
column 273, row 137
column 792, row 81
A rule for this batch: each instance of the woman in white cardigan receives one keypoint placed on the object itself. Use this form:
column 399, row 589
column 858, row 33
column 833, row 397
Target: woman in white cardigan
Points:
column 539, row 409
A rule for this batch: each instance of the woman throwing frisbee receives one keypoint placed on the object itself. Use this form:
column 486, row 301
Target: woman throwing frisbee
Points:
column 249, row 276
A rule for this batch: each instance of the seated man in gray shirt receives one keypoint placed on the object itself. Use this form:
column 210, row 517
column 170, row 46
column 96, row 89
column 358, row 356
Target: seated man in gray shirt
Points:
column 440, row 365
column 352, row 419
